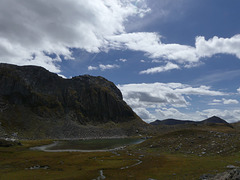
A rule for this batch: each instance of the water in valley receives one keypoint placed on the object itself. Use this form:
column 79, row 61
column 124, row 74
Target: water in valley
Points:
column 88, row 145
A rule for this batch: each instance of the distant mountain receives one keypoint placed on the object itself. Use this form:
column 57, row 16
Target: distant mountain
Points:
column 171, row 122
column 35, row 103
column 211, row 120
column 214, row 119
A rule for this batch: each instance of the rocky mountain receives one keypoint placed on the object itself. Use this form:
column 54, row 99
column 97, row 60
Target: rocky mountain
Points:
column 35, row 103
column 211, row 120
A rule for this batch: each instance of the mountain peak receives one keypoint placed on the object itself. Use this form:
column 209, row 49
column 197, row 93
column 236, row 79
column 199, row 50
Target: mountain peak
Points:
column 214, row 119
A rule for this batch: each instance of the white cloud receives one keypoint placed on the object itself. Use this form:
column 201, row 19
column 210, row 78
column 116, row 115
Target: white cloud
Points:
column 144, row 114
column 156, row 61
column 123, row 60
column 166, row 113
column 32, row 30
column 193, row 64
column 142, row 61
column 91, row 68
column 228, row 115
column 238, row 90
column 155, row 95
column 169, row 66
column 150, row 43
column 103, row 67
column 108, row 66
column 224, row 101
column 163, row 100
column 202, row 90
column 215, row 102
column 42, row 32
column 216, row 45
column 230, row 101
column 62, row 76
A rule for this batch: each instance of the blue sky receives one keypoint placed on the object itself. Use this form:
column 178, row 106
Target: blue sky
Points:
column 171, row 59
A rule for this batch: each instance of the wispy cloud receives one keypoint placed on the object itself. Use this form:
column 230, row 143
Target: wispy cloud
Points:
column 91, row 68
column 217, row 77
column 123, row 60
column 108, row 66
column 223, row 101
column 169, row 66
column 103, row 67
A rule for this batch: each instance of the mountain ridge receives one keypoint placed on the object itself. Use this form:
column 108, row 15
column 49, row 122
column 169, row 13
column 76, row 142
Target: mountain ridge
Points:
column 210, row 120
column 39, row 104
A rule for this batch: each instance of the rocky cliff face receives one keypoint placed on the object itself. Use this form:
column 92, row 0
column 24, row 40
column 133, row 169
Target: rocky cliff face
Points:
column 39, row 104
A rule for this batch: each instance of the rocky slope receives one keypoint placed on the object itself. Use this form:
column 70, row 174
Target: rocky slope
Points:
column 35, row 103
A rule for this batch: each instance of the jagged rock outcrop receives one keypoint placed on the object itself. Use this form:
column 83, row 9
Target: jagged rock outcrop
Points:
column 39, row 104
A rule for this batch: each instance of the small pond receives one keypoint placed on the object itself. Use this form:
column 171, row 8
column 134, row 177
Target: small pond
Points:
column 89, row 145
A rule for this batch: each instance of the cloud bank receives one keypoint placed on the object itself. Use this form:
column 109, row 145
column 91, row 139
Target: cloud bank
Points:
column 153, row 101
column 155, row 95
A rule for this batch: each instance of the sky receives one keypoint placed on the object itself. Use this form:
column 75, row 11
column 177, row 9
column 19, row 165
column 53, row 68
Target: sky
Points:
column 170, row 59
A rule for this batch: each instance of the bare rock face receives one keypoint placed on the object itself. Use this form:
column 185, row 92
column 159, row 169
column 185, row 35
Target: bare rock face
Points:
column 40, row 104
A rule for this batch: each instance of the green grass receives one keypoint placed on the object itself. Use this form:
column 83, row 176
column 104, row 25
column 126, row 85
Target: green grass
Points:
column 155, row 163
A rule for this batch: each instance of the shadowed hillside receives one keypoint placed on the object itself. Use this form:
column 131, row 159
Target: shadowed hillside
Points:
column 35, row 103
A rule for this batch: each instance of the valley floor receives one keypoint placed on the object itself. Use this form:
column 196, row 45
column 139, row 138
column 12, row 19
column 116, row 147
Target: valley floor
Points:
column 151, row 159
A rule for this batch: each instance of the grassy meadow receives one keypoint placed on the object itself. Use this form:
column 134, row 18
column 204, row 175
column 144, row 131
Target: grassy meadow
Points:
column 148, row 160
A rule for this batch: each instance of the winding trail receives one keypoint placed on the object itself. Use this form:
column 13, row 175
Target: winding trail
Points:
column 136, row 164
